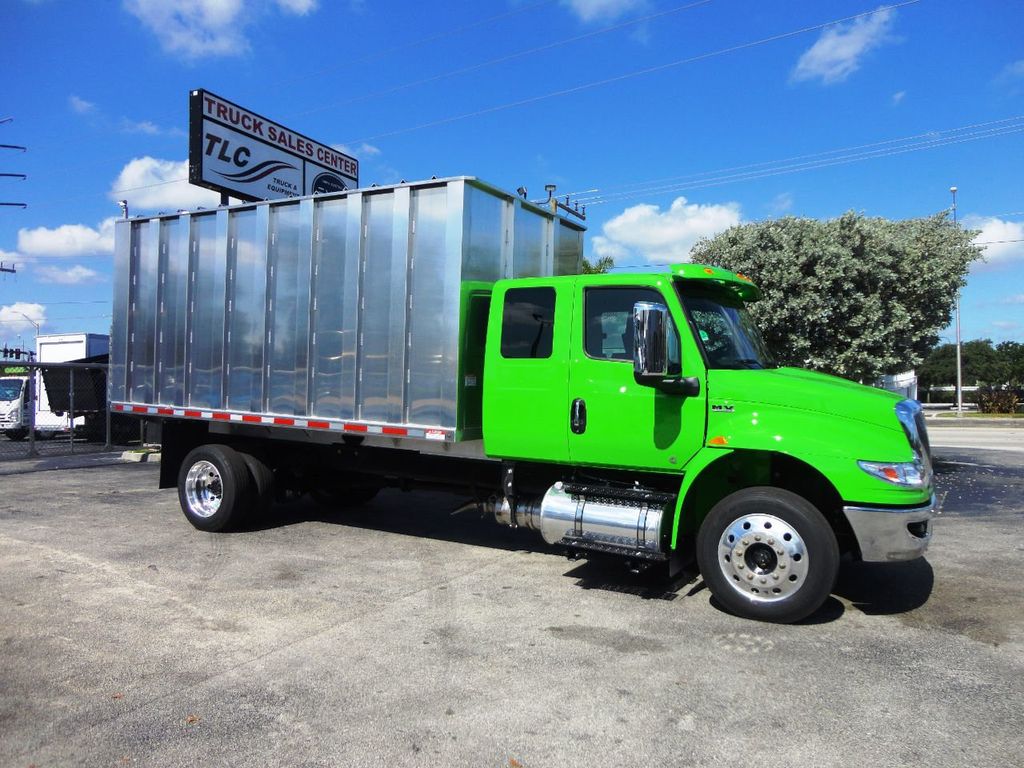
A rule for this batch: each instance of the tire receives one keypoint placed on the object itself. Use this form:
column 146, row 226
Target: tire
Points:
column 343, row 498
column 17, row 435
column 262, row 480
column 215, row 488
column 768, row 554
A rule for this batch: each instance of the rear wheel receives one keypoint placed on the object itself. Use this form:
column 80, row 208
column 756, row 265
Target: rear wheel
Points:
column 263, row 481
column 768, row 554
column 215, row 488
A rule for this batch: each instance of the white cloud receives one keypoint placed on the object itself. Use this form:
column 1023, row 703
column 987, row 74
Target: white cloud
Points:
column 781, row 204
column 602, row 10
column 298, row 7
column 645, row 232
column 838, row 51
column 13, row 317
column 151, row 184
column 68, row 240
column 73, row 276
column 197, row 28
column 898, row 97
column 148, row 128
column 81, row 106
column 1013, row 71
column 363, row 150
column 1018, row 299
column 998, row 236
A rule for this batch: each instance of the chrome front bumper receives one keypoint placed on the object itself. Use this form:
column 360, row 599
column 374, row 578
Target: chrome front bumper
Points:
column 886, row 534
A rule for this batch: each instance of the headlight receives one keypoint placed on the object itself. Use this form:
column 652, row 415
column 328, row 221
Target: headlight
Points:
column 908, row 474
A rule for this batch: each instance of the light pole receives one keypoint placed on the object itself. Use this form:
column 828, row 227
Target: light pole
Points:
column 36, row 327
column 959, row 369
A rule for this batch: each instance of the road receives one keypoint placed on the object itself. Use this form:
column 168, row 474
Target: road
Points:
column 403, row 633
column 991, row 438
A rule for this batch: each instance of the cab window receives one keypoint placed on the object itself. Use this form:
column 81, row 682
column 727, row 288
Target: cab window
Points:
column 608, row 313
column 528, row 323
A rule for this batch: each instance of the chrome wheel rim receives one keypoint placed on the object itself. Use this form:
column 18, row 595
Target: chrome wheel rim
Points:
column 204, row 489
column 763, row 558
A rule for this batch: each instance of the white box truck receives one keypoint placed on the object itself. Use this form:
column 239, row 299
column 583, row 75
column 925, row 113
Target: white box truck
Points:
column 63, row 348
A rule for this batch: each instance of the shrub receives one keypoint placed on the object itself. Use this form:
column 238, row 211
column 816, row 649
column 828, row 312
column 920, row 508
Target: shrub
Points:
column 991, row 400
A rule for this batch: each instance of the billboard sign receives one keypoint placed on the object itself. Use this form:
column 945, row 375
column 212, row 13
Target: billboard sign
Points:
column 239, row 153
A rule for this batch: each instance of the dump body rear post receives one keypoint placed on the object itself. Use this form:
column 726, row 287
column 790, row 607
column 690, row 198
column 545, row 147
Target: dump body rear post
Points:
column 438, row 334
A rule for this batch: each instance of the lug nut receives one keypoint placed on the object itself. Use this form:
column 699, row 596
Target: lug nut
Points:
column 771, row 542
column 739, row 565
column 750, row 576
column 775, row 576
column 757, row 537
column 745, row 542
column 778, row 550
column 782, row 565
column 764, row 580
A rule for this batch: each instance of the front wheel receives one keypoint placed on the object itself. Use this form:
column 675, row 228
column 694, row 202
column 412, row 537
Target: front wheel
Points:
column 215, row 488
column 768, row 554
column 16, row 434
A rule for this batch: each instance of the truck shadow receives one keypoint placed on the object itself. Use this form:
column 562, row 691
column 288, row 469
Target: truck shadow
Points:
column 882, row 589
column 428, row 515
column 872, row 588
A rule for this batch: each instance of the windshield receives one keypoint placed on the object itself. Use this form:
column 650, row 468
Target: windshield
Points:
column 10, row 389
column 725, row 331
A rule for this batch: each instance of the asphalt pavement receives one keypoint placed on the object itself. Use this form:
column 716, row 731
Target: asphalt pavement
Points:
column 405, row 633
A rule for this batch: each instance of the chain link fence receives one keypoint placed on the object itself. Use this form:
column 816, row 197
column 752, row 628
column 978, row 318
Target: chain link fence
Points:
column 59, row 409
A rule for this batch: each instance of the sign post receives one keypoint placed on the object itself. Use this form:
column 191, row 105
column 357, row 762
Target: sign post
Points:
column 239, row 153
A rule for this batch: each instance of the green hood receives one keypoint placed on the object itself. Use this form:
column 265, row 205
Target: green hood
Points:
column 803, row 390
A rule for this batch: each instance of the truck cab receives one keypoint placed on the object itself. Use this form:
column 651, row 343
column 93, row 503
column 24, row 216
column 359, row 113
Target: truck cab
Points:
column 14, row 405
column 774, row 471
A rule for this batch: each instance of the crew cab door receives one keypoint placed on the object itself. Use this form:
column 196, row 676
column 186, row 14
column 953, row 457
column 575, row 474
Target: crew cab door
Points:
column 613, row 420
column 526, row 370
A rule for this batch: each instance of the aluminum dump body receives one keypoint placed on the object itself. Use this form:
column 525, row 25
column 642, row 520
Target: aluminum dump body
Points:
column 361, row 311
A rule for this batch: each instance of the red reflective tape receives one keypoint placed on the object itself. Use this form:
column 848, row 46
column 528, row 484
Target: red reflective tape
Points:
column 118, row 407
column 395, row 431
column 140, row 409
column 355, row 427
column 194, row 414
column 284, row 422
column 319, row 424
column 252, row 419
column 165, row 411
column 222, row 416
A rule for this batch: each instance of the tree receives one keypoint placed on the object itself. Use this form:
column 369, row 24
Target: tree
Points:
column 980, row 365
column 854, row 296
column 603, row 264
column 1011, row 353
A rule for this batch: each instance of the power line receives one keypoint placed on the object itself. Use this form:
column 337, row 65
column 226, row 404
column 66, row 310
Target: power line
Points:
column 594, row 84
column 503, row 59
column 630, row 75
column 823, row 154
column 715, row 181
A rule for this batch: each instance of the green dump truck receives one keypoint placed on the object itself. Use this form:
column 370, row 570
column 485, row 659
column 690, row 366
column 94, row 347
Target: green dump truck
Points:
column 437, row 334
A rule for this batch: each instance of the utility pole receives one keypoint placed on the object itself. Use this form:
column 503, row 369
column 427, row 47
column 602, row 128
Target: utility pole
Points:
column 14, row 176
column 959, row 369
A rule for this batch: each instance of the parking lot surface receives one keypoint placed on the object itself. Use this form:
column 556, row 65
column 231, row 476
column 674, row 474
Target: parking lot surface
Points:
column 406, row 633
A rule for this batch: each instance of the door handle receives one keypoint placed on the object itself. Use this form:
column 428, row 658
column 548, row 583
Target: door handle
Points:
column 578, row 416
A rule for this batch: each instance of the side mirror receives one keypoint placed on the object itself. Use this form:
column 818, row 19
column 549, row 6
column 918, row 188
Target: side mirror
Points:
column 652, row 329
column 650, row 341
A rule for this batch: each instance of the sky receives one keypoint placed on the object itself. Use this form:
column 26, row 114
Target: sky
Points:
column 670, row 121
